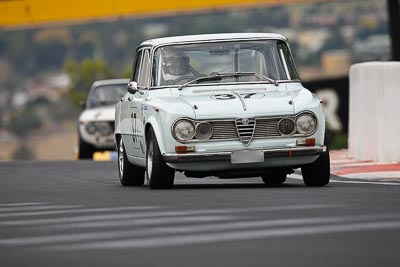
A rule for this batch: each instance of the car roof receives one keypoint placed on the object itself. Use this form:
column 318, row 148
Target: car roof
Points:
column 110, row 81
column 211, row 37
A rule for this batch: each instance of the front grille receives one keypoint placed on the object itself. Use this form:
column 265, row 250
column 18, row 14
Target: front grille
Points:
column 245, row 128
column 227, row 129
column 224, row 130
column 267, row 128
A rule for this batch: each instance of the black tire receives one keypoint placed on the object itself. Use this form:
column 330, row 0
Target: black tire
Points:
column 274, row 179
column 317, row 173
column 129, row 174
column 159, row 175
column 85, row 150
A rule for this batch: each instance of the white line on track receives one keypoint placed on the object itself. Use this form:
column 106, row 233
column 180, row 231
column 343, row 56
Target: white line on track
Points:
column 152, row 214
column 221, row 226
column 299, row 177
column 75, row 210
column 191, row 239
column 22, row 204
column 140, row 222
column 38, row 208
column 352, row 164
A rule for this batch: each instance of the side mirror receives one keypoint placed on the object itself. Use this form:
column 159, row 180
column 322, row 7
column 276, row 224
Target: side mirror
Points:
column 132, row 87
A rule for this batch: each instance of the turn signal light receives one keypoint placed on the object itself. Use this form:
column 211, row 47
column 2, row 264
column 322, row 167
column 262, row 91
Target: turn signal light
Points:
column 184, row 149
column 306, row 142
column 310, row 142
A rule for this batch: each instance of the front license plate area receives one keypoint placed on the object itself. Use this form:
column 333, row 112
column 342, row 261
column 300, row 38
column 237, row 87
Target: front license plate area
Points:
column 247, row 156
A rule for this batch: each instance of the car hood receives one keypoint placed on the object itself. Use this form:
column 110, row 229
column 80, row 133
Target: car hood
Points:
column 240, row 103
column 106, row 113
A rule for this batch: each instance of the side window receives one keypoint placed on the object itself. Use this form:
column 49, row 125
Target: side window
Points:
column 144, row 69
column 135, row 75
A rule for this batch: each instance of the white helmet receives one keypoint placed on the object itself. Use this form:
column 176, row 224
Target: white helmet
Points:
column 175, row 64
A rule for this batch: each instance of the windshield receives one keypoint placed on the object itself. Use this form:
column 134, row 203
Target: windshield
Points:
column 106, row 95
column 180, row 64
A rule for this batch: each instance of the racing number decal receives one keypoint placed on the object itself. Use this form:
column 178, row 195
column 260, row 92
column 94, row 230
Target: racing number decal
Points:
column 231, row 96
column 249, row 95
column 224, row 96
column 134, row 127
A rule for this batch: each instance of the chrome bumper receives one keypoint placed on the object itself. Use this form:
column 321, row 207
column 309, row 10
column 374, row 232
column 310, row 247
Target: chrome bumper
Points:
column 226, row 156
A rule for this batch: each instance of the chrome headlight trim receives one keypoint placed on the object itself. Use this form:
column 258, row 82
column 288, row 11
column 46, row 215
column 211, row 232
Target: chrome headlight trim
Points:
column 209, row 134
column 91, row 128
column 103, row 127
column 174, row 130
column 288, row 119
column 313, row 121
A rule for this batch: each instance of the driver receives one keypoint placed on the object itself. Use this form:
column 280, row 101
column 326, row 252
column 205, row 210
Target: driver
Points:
column 175, row 64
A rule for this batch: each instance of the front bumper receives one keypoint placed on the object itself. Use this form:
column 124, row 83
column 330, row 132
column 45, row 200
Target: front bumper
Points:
column 226, row 156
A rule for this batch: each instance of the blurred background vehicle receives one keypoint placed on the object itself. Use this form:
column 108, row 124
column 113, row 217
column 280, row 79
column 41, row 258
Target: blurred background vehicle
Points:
column 96, row 122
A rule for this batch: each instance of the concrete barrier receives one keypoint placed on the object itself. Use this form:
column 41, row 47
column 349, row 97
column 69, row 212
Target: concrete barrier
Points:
column 374, row 115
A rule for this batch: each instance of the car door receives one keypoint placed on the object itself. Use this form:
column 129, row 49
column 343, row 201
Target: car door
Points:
column 127, row 111
column 136, row 106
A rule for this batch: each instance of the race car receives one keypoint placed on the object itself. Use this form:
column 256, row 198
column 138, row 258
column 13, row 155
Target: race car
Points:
column 96, row 122
column 224, row 105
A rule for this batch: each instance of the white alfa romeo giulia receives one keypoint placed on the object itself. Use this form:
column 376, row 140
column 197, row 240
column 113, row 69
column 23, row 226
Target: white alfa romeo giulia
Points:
column 224, row 105
column 96, row 122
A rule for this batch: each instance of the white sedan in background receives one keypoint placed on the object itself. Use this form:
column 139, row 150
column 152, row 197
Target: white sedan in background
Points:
column 96, row 122
column 225, row 105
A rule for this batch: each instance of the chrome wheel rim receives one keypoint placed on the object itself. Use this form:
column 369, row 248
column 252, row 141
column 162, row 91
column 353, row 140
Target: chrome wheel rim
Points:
column 149, row 166
column 121, row 158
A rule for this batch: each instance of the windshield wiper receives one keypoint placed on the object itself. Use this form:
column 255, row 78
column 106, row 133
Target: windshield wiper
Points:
column 225, row 75
column 202, row 79
column 264, row 78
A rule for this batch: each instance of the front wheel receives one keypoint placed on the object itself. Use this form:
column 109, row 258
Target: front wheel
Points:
column 159, row 175
column 129, row 174
column 85, row 150
column 318, row 172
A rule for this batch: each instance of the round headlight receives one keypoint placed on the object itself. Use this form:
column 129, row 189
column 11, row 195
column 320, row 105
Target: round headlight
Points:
column 184, row 130
column 90, row 128
column 306, row 124
column 204, row 131
column 286, row 126
column 103, row 128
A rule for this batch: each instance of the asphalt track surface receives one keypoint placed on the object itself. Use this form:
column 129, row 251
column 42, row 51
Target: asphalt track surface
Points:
column 77, row 214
